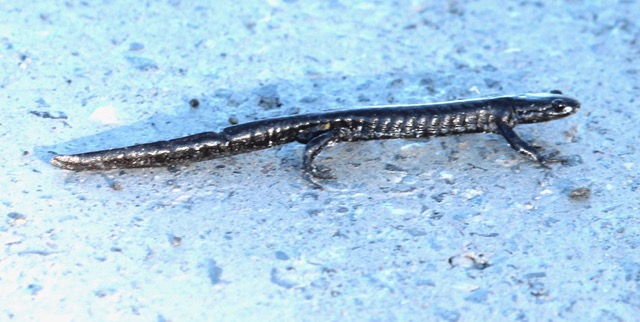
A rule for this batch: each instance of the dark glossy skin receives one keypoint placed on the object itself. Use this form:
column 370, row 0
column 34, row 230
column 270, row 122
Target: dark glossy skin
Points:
column 318, row 130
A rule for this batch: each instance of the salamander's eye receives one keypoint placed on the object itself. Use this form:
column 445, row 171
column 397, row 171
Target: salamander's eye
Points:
column 556, row 91
column 559, row 106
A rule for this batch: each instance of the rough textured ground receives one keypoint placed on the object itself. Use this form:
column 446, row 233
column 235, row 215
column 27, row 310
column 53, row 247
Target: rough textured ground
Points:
column 455, row 228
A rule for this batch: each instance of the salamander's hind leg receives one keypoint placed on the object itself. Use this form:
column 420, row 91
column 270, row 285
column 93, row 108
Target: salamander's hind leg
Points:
column 312, row 149
column 525, row 148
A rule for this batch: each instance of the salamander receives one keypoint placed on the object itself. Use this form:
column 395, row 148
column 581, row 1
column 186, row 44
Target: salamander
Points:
column 318, row 130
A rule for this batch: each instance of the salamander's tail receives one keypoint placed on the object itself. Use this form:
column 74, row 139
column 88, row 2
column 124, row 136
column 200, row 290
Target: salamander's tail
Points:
column 198, row 147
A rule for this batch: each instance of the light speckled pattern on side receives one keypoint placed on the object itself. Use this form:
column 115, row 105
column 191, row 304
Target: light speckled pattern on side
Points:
column 453, row 228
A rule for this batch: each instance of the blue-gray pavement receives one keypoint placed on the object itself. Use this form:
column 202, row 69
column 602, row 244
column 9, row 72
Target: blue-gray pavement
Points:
column 453, row 228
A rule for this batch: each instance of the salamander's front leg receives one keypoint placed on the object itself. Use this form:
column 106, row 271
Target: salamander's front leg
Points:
column 311, row 150
column 521, row 146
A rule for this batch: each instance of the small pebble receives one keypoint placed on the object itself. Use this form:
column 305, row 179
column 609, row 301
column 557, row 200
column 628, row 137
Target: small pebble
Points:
column 580, row 194
column 176, row 241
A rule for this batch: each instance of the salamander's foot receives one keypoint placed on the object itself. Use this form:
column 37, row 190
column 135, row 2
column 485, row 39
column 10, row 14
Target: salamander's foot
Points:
column 318, row 172
column 553, row 157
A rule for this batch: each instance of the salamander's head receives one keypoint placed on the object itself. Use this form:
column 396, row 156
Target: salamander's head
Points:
column 541, row 107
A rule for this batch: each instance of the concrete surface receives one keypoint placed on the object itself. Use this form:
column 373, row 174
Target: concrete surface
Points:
column 457, row 228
